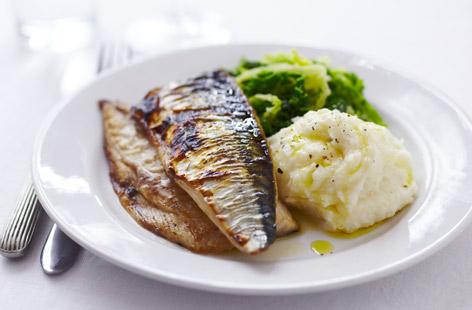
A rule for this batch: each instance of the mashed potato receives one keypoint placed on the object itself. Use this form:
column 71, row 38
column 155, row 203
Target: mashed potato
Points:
column 349, row 172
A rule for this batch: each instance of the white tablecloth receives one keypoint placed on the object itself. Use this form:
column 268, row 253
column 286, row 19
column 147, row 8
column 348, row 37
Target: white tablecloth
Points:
column 432, row 39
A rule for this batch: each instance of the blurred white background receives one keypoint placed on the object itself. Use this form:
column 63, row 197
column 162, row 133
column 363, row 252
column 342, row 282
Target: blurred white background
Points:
column 430, row 39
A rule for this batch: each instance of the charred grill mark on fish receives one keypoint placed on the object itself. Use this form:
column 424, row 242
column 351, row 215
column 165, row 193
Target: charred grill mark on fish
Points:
column 147, row 193
column 210, row 141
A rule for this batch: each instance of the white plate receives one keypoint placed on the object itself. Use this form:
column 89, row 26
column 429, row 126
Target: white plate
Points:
column 71, row 177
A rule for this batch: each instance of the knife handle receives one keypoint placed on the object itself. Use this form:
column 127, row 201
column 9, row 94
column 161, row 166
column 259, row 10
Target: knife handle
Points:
column 20, row 228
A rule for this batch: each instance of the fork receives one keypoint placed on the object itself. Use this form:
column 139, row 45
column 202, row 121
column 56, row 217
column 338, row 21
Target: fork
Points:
column 59, row 251
column 22, row 223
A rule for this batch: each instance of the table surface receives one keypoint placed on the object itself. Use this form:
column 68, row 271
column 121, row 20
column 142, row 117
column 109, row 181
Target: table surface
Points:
column 432, row 39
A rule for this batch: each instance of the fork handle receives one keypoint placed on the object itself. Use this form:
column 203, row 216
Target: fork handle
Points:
column 20, row 228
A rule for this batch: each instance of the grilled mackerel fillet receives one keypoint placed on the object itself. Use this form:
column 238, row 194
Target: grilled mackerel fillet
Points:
column 151, row 198
column 146, row 192
column 212, row 145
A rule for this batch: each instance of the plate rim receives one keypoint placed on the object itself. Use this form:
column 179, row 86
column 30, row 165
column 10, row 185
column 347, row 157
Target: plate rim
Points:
column 245, row 289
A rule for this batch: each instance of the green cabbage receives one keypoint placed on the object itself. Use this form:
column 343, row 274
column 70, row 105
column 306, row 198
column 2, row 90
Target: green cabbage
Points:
column 269, row 109
column 347, row 96
column 282, row 86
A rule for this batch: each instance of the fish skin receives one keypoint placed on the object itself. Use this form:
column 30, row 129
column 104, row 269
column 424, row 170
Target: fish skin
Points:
column 212, row 145
column 178, row 219
column 146, row 192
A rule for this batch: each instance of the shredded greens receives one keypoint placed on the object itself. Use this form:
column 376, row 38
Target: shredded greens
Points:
column 282, row 86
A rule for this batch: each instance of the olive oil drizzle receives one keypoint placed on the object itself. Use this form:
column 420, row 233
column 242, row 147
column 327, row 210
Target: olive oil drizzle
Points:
column 358, row 233
column 322, row 247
